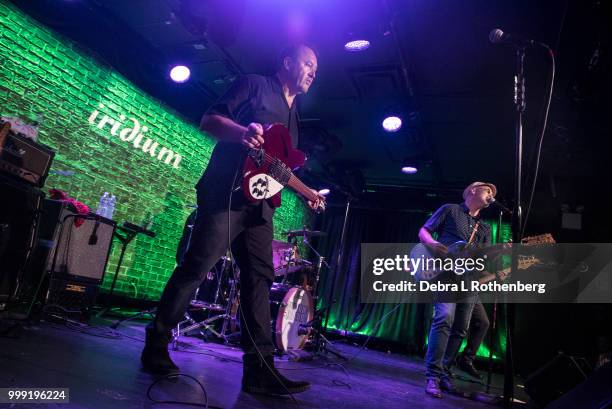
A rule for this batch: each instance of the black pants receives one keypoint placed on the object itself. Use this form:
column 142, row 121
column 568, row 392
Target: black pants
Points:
column 251, row 238
column 479, row 324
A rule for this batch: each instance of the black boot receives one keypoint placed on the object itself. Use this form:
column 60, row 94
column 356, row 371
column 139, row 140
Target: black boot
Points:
column 262, row 377
column 467, row 366
column 155, row 358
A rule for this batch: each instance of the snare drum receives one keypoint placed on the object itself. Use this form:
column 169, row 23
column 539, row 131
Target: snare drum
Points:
column 292, row 310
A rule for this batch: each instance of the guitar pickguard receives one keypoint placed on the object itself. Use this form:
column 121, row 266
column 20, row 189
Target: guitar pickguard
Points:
column 262, row 186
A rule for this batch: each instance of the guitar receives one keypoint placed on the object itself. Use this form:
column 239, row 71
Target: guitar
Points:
column 269, row 169
column 461, row 249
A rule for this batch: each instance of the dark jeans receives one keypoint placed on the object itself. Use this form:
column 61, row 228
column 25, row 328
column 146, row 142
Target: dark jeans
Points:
column 448, row 329
column 479, row 324
column 251, row 238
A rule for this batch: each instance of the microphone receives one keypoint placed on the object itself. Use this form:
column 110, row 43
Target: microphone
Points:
column 93, row 239
column 497, row 36
column 499, row 205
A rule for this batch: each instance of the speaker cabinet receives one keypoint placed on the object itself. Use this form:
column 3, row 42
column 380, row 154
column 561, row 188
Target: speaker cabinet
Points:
column 83, row 248
column 19, row 208
column 70, row 298
column 77, row 246
column 69, row 261
column 555, row 378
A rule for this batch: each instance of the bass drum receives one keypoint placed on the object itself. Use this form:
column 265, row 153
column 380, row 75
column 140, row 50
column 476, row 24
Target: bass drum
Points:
column 292, row 309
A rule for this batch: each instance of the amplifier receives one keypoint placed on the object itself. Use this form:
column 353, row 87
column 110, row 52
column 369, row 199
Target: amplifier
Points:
column 23, row 158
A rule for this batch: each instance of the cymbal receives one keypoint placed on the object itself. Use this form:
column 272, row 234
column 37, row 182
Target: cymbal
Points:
column 305, row 232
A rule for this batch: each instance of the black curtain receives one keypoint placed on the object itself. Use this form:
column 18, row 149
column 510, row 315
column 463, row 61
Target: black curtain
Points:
column 339, row 285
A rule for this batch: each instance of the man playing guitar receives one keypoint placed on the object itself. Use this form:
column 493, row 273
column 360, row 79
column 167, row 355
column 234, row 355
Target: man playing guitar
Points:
column 237, row 120
column 453, row 223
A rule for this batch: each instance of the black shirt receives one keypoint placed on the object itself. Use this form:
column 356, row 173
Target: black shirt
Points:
column 251, row 98
column 453, row 222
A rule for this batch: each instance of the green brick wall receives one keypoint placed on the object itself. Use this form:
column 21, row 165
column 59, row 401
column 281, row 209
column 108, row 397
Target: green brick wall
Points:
column 44, row 73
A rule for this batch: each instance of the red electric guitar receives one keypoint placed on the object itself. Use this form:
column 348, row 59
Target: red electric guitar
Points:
column 269, row 169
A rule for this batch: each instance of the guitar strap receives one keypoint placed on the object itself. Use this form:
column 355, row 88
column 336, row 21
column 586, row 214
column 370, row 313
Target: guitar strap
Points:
column 473, row 232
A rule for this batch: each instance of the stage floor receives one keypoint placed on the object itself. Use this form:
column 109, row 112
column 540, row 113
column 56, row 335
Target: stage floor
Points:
column 102, row 369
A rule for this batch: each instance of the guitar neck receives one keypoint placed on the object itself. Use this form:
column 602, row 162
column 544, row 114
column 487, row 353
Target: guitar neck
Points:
column 299, row 186
column 490, row 277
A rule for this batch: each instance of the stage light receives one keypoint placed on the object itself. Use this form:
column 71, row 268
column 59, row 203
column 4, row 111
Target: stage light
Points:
column 180, row 73
column 409, row 170
column 392, row 123
column 357, row 45
column 324, row 192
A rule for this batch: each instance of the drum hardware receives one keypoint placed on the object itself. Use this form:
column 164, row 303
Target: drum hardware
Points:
column 305, row 232
column 318, row 341
column 190, row 324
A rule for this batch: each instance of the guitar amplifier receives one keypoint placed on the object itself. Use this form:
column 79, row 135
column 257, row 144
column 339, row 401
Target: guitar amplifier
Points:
column 23, row 158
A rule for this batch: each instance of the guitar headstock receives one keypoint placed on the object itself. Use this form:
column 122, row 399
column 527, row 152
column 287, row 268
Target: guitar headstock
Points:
column 546, row 238
column 526, row 262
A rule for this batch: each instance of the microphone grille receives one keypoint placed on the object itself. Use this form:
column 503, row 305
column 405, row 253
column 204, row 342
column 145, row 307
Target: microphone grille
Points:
column 496, row 35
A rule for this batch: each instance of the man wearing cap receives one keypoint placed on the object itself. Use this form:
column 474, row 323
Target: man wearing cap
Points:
column 452, row 223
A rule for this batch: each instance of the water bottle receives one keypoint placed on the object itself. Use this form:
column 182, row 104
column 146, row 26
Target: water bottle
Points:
column 110, row 209
column 103, row 205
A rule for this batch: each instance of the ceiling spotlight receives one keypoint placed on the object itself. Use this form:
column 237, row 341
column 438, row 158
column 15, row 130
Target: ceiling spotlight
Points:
column 357, row 45
column 392, row 123
column 409, row 170
column 324, row 192
column 180, row 73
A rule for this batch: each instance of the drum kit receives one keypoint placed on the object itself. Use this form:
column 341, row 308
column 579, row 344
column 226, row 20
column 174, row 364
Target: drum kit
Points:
column 214, row 309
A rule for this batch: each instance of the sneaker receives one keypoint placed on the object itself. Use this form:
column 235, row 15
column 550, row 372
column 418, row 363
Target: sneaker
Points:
column 433, row 388
column 262, row 377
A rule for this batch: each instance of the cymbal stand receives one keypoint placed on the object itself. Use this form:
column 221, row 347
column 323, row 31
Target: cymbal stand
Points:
column 206, row 324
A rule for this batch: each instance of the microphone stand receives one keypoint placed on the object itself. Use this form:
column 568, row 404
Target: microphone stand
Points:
column 494, row 318
column 517, row 222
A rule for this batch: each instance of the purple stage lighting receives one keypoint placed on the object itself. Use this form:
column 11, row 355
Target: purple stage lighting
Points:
column 409, row 170
column 392, row 123
column 357, row 45
column 180, row 73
